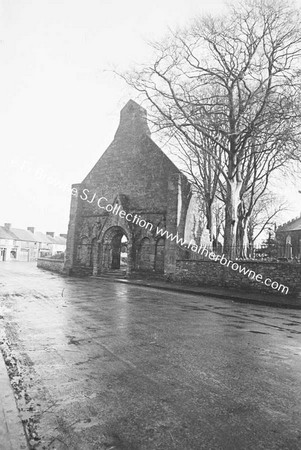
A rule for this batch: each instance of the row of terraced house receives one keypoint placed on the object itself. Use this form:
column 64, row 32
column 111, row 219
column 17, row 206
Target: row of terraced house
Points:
column 28, row 245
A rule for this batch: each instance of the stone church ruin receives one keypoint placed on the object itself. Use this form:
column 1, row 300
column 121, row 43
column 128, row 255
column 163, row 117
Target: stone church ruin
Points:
column 136, row 179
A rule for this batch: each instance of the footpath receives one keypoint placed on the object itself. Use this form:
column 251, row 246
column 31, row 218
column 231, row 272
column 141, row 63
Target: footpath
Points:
column 12, row 436
column 242, row 296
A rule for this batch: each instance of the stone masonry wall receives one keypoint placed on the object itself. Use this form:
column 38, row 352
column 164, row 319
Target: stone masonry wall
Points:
column 211, row 273
column 133, row 165
column 54, row 265
column 134, row 170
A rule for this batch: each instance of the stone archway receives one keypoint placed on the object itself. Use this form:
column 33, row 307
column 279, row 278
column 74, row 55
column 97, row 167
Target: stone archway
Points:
column 113, row 253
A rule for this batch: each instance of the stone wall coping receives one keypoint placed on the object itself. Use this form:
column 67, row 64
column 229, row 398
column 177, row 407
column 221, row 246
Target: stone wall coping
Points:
column 243, row 261
column 51, row 260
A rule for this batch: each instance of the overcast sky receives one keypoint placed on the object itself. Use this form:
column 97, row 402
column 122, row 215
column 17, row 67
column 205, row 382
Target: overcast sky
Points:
column 60, row 102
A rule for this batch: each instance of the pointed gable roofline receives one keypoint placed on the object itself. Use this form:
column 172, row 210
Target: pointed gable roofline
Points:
column 133, row 121
column 133, row 127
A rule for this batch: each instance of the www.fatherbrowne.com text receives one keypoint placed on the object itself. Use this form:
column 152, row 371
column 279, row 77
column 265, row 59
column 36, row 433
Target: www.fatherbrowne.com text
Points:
column 102, row 203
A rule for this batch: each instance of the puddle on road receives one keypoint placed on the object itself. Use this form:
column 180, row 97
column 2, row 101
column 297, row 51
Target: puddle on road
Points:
column 192, row 308
column 72, row 340
column 257, row 332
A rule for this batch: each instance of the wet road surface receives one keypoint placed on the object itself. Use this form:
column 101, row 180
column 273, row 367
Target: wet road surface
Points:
column 111, row 366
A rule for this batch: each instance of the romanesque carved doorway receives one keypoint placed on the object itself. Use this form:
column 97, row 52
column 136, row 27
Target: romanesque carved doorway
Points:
column 113, row 252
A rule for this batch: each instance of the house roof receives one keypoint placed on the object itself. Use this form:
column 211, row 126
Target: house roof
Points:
column 4, row 234
column 57, row 240
column 19, row 234
column 60, row 240
column 41, row 237
column 23, row 235
column 292, row 225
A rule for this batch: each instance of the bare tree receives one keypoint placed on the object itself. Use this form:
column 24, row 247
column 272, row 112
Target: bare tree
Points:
column 230, row 87
column 203, row 170
column 260, row 166
column 264, row 214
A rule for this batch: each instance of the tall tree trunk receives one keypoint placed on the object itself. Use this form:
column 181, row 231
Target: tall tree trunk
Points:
column 244, row 238
column 231, row 217
column 239, row 237
column 209, row 218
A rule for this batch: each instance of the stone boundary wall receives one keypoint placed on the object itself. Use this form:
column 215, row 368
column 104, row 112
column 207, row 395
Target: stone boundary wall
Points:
column 212, row 273
column 54, row 265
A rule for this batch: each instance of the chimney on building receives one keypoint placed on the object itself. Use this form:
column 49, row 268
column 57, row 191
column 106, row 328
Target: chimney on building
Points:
column 50, row 233
column 7, row 226
column 31, row 229
column 63, row 235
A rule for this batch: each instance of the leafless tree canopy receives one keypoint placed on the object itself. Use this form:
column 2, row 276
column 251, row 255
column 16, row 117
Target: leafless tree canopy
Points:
column 265, row 214
column 227, row 89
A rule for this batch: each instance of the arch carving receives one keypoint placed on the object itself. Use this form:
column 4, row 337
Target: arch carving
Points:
column 113, row 249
